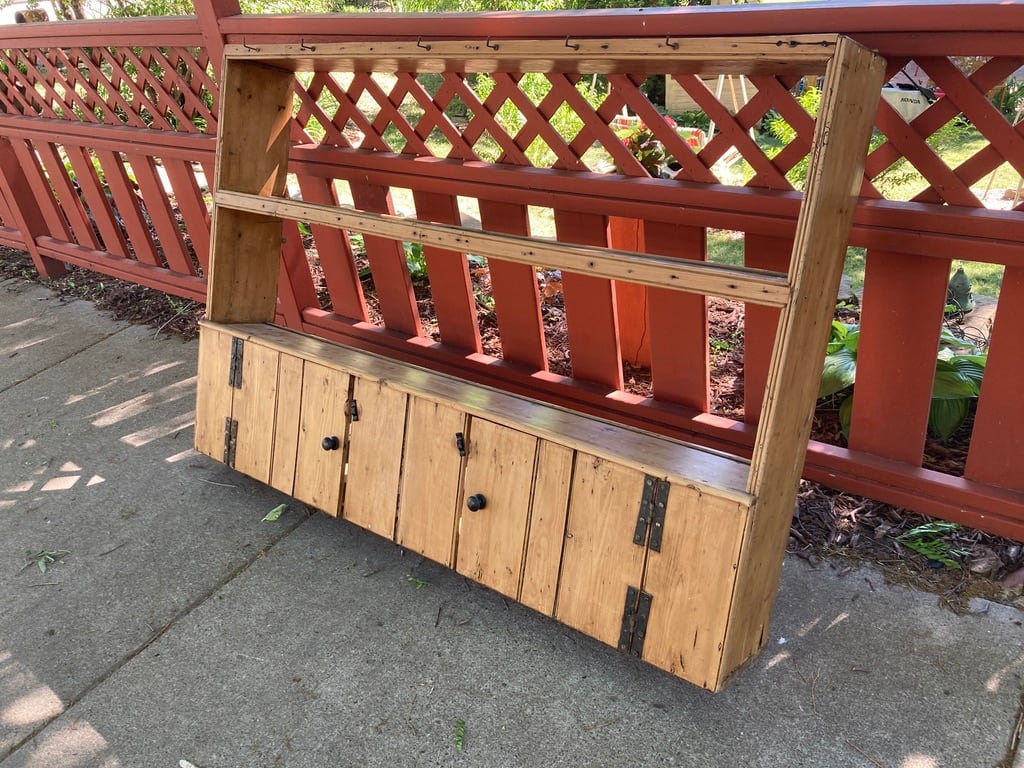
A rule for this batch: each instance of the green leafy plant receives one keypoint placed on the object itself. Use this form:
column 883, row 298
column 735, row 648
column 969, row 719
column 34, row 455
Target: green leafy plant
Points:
column 417, row 262
column 416, row 581
column 44, row 558
column 275, row 513
column 460, row 734
column 958, row 377
column 930, row 540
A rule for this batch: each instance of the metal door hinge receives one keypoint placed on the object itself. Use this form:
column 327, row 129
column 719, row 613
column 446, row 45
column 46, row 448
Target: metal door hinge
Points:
column 230, row 440
column 651, row 516
column 634, row 622
column 235, row 369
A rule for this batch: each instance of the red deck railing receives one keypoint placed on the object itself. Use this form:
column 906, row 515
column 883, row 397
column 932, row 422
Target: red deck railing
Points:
column 109, row 132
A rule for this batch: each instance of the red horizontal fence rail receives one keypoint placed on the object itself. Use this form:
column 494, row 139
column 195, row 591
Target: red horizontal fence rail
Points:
column 108, row 132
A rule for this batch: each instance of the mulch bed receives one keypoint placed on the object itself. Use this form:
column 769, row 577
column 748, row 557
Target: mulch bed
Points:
column 830, row 529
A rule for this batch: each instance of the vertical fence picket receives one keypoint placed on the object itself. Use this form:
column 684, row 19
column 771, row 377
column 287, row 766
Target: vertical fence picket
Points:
column 590, row 306
column 189, row 200
column 631, row 300
column 159, row 214
column 388, row 265
column 678, row 322
column 101, row 214
column 335, row 253
column 760, row 323
column 901, row 318
column 67, row 195
column 997, row 441
column 126, row 210
column 21, row 212
column 514, row 288
column 450, row 286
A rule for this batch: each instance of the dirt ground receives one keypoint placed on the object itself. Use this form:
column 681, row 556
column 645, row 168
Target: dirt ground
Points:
column 830, row 529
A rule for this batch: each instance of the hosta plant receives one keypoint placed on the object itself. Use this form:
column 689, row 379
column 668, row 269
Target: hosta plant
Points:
column 959, row 368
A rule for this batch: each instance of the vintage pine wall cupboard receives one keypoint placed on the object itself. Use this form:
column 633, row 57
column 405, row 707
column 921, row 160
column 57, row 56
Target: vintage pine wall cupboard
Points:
column 665, row 550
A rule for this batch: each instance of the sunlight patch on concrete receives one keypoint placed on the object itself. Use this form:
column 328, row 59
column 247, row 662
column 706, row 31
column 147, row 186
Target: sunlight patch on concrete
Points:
column 142, row 403
column 169, row 427
column 917, row 760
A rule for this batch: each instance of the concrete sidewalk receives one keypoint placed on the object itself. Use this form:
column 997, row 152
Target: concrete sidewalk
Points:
column 183, row 631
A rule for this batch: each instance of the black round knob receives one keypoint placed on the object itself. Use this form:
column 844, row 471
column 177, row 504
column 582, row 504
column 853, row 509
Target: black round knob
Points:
column 330, row 443
column 476, row 502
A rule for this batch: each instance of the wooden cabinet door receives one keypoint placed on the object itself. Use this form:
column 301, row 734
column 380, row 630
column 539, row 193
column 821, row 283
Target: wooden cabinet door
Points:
column 691, row 579
column 319, row 472
column 600, row 561
column 376, row 436
column 499, row 472
column 431, row 474
column 254, row 409
column 551, row 484
column 214, row 395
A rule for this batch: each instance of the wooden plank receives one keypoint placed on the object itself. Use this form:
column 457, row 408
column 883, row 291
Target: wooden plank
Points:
column 286, row 423
column 769, row 288
column 254, row 409
column 375, row 446
column 492, row 540
column 252, row 157
column 514, row 289
column 690, row 581
column 448, row 270
column 319, row 472
column 548, row 514
column 700, row 467
column 834, row 176
column 804, row 54
column 213, row 394
column 600, row 560
column 30, row 203
column 761, row 324
column 431, row 474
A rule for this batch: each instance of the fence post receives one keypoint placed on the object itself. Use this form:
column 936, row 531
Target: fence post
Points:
column 14, row 187
column 209, row 13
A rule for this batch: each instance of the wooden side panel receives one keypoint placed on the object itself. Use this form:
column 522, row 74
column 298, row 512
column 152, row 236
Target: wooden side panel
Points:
column 600, row 560
column 375, row 457
column 254, row 410
column 548, row 513
column 491, row 541
column 319, row 473
column 691, row 581
column 286, row 426
column 213, row 394
column 835, row 174
column 432, row 469
column 252, row 156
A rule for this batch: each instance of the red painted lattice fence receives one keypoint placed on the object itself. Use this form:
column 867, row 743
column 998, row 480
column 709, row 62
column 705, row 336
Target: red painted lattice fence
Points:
column 108, row 134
